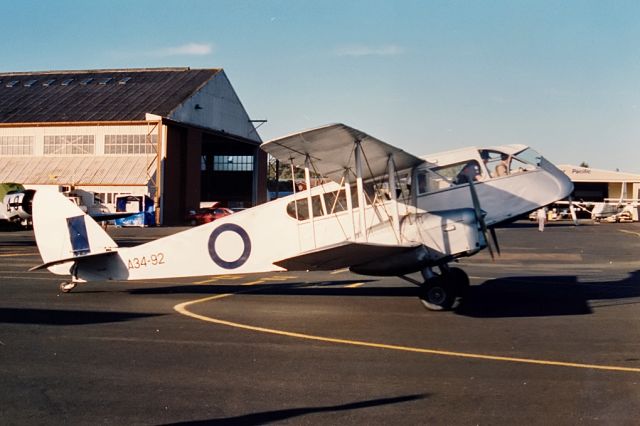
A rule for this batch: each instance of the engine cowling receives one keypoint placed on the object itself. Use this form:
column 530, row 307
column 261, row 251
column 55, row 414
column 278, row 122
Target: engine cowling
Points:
column 18, row 205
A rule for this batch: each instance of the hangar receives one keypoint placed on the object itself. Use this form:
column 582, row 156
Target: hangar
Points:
column 602, row 185
column 180, row 136
column 605, row 193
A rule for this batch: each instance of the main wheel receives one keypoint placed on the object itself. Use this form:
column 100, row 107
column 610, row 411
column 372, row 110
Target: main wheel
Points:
column 438, row 294
column 459, row 278
column 66, row 287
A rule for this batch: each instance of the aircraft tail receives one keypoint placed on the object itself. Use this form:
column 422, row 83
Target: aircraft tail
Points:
column 65, row 233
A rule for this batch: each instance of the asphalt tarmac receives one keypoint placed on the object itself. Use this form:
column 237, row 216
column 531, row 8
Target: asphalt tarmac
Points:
column 549, row 334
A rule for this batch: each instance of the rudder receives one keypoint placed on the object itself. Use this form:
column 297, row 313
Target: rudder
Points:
column 63, row 231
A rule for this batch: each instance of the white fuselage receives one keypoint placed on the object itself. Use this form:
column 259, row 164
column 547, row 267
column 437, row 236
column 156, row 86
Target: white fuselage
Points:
column 253, row 240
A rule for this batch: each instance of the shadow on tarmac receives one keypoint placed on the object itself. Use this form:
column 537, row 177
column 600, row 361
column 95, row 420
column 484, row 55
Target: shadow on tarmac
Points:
column 525, row 296
column 543, row 296
column 65, row 317
column 279, row 415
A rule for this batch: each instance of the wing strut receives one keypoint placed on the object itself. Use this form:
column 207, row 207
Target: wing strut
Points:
column 394, row 197
column 347, row 194
column 307, row 181
column 362, row 226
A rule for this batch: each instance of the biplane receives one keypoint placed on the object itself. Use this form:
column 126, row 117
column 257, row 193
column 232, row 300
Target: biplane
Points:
column 377, row 210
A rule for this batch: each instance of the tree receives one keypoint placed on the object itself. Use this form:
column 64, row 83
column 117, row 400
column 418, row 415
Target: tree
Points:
column 584, row 164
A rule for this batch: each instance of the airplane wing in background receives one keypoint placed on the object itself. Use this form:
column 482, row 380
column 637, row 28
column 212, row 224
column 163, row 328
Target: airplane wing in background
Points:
column 103, row 217
column 331, row 150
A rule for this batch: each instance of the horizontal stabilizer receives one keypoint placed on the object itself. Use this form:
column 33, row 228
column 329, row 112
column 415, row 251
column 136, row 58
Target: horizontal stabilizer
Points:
column 103, row 217
column 71, row 259
column 340, row 256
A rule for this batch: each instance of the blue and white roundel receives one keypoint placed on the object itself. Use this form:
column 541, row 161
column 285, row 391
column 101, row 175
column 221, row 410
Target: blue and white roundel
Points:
column 246, row 251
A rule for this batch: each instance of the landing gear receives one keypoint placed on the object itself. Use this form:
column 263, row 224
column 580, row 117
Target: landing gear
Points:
column 66, row 286
column 439, row 292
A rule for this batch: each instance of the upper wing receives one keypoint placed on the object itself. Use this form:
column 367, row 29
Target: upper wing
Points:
column 342, row 255
column 331, row 149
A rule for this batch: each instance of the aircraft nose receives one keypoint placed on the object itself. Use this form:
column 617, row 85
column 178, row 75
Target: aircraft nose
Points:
column 565, row 186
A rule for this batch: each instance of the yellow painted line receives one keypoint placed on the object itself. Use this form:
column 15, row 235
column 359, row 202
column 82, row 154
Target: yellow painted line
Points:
column 210, row 280
column 339, row 271
column 253, row 282
column 218, row 278
column 182, row 309
column 230, row 277
column 355, row 285
column 16, row 254
column 637, row 234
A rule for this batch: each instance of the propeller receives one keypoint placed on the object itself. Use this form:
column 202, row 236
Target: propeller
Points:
column 480, row 219
column 495, row 239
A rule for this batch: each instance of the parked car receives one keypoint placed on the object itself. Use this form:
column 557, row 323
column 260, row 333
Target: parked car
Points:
column 207, row 214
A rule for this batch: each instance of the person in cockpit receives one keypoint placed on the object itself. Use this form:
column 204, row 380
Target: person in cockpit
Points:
column 502, row 168
column 471, row 171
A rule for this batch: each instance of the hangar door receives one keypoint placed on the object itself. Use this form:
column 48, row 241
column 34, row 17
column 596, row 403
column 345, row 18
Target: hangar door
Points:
column 226, row 171
column 590, row 191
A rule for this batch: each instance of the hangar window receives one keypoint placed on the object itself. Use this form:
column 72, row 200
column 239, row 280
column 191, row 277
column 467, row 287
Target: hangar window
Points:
column 69, row 145
column 233, row 163
column 16, row 145
column 130, row 144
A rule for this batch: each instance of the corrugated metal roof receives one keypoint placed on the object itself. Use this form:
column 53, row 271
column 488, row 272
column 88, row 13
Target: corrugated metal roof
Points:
column 41, row 97
column 79, row 170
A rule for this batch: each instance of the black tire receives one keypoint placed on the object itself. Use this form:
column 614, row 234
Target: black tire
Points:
column 438, row 294
column 460, row 279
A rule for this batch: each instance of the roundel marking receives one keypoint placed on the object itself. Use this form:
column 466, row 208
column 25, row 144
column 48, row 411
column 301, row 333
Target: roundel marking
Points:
column 231, row 227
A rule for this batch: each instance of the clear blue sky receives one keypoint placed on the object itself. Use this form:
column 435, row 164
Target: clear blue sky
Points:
column 426, row 76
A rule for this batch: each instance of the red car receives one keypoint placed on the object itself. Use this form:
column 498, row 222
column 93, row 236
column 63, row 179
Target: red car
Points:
column 207, row 214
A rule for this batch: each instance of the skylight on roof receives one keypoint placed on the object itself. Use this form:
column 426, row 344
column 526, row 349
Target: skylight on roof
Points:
column 12, row 83
column 124, row 80
column 105, row 81
column 30, row 83
column 86, row 81
column 48, row 82
column 67, row 82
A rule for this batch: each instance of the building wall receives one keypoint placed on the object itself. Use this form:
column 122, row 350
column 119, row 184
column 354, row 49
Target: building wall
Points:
column 98, row 132
column 615, row 190
column 173, row 185
column 217, row 106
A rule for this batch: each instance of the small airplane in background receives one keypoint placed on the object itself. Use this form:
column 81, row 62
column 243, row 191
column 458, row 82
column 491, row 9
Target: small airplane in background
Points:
column 377, row 211
column 16, row 203
column 17, row 206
